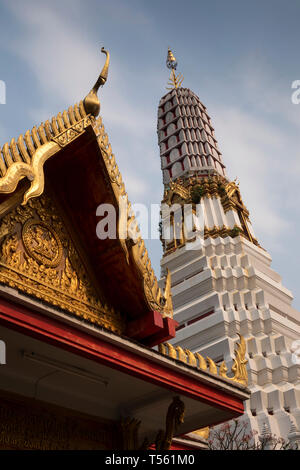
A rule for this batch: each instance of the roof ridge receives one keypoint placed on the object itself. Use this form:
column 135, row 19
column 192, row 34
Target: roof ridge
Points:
column 24, row 148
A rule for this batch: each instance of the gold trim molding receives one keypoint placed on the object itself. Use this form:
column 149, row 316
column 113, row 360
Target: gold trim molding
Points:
column 203, row 432
column 191, row 189
column 212, row 186
column 196, row 360
column 28, row 156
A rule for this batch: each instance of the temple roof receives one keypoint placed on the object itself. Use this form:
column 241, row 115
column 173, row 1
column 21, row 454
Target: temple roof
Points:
column 69, row 158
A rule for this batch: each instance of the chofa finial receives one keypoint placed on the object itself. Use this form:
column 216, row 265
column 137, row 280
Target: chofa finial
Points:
column 91, row 101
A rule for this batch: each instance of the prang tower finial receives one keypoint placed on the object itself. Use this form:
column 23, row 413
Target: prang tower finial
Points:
column 175, row 81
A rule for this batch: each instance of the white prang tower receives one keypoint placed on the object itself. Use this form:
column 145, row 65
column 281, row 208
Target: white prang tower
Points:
column 222, row 281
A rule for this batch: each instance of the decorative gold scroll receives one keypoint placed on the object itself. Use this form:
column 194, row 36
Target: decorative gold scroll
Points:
column 196, row 360
column 28, row 156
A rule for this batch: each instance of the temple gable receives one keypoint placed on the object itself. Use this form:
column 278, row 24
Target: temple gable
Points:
column 38, row 257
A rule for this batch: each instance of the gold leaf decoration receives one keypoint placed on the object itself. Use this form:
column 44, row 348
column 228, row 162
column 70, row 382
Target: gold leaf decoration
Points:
column 38, row 257
column 181, row 190
column 27, row 157
column 196, row 360
column 212, row 366
column 239, row 367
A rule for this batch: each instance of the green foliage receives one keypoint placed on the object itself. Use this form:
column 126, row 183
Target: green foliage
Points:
column 235, row 231
column 221, row 188
column 197, row 193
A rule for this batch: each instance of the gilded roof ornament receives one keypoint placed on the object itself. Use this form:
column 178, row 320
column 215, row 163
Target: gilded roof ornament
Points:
column 26, row 156
column 171, row 61
column 175, row 81
column 239, row 368
column 91, row 101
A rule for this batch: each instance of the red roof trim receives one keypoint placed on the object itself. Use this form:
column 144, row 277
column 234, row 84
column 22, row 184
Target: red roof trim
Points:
column 78, row 342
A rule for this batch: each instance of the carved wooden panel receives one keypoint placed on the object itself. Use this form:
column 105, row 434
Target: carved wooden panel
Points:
column 30, row 425
column 38, row 257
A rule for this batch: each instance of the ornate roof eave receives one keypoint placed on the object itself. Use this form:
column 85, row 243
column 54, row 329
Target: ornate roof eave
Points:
column 133, row 245
column 196, row 360
column 26, row 158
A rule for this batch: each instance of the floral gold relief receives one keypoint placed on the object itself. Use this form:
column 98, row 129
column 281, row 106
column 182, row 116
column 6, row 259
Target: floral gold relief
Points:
column 42, row 243
column 39, row 259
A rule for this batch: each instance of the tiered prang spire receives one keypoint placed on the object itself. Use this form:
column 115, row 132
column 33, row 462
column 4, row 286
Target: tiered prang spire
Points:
column 222, row 281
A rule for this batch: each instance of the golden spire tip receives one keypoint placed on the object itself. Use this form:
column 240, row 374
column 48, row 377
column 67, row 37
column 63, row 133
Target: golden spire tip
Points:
column 175, row 81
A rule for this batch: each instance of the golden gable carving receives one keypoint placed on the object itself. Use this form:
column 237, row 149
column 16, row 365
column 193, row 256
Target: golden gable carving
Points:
column 37, row 257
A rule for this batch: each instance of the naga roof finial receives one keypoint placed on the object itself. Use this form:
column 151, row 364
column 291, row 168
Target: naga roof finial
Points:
column 175, row 81
column 91, row 101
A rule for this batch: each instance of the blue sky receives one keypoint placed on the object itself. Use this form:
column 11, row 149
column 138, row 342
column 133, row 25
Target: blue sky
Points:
column 239, row 57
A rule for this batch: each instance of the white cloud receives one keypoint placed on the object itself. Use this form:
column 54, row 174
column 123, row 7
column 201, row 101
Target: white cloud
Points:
column 55, row 51
column 63, row 62
column 250, row 149
column 135, row 186
column 267, row 90
column 259, row 140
